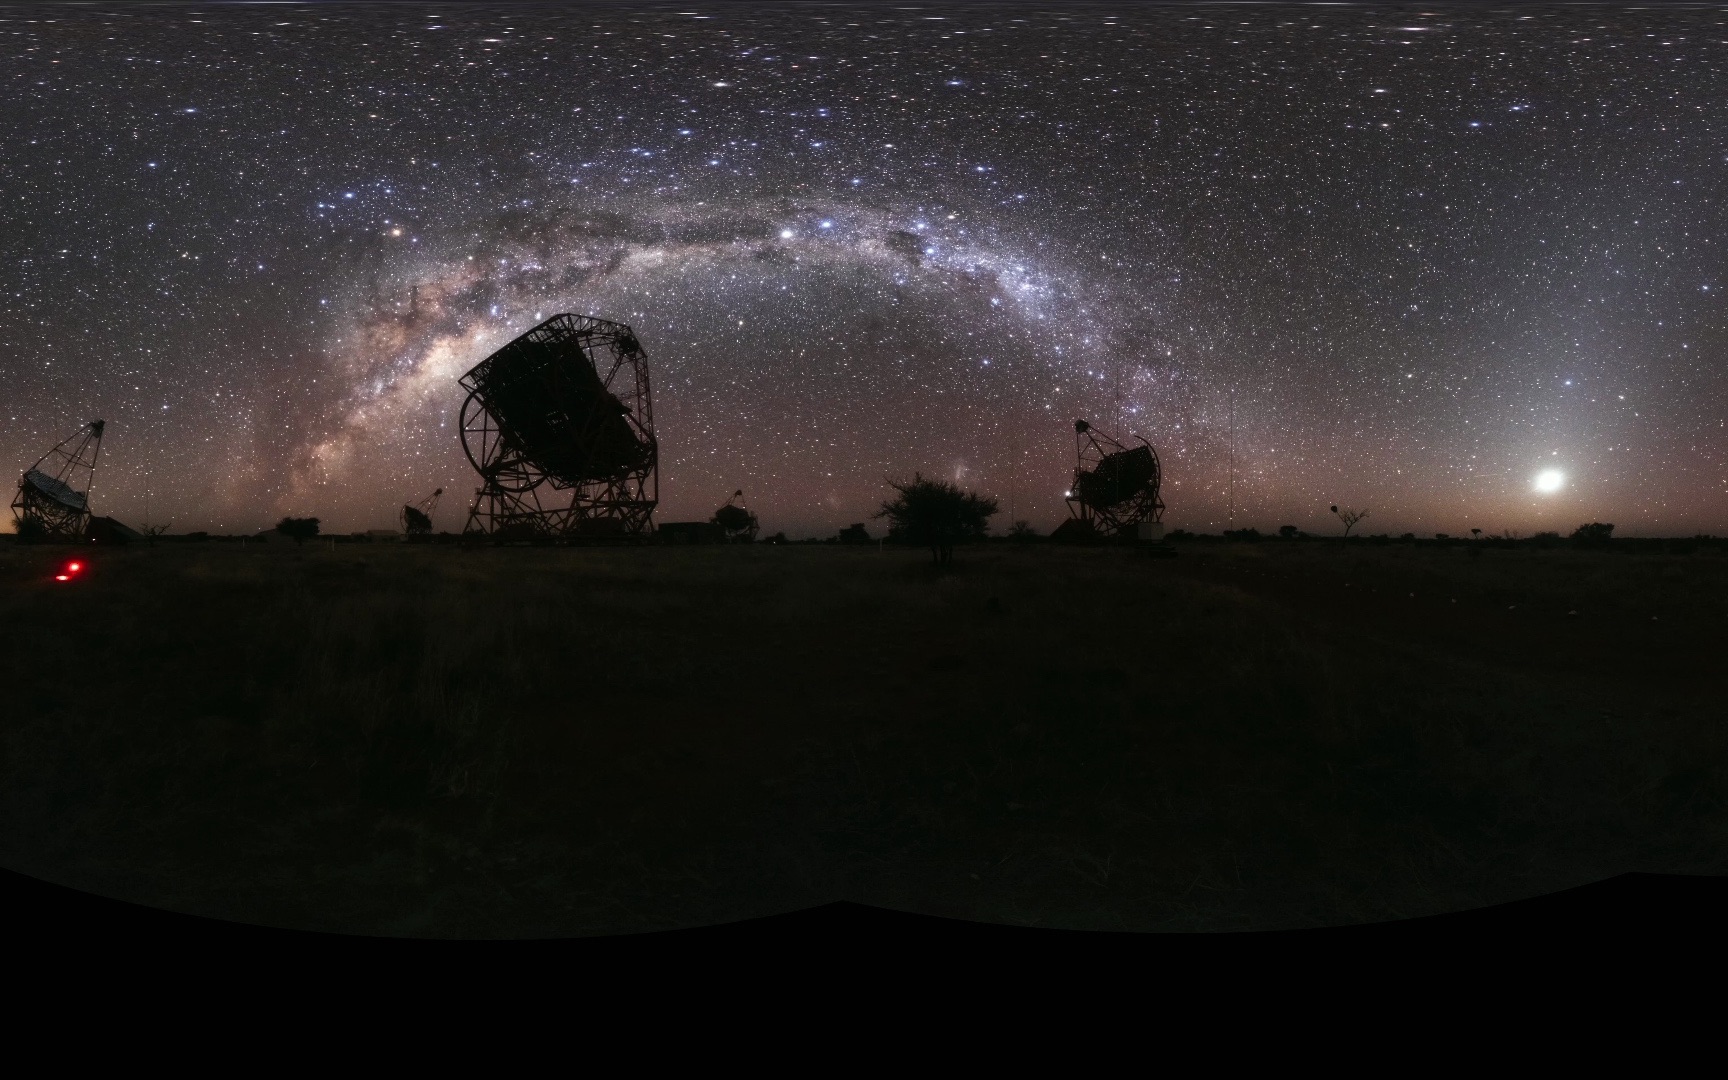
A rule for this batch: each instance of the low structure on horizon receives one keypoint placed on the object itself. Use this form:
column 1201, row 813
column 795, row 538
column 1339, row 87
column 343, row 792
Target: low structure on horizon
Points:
column 690, row 532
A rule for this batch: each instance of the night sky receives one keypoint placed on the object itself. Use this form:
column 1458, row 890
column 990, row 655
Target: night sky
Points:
column 1429, row 252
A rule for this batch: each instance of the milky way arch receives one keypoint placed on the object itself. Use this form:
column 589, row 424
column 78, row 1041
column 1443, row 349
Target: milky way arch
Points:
column 948, row 337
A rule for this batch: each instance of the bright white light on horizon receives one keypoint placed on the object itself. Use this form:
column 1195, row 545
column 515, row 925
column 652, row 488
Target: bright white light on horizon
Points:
column 1548, row 481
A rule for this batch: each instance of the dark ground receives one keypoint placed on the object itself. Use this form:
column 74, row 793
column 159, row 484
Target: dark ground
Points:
column 533, row 741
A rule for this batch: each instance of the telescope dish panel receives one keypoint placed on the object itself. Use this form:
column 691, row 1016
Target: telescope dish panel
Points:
column 54, row 489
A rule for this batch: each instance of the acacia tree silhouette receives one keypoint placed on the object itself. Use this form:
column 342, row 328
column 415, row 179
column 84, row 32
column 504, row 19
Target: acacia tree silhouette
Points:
column 1349, row 518
column 936, row 514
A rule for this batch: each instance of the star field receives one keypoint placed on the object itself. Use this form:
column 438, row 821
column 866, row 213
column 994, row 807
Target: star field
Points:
column 1405, row 259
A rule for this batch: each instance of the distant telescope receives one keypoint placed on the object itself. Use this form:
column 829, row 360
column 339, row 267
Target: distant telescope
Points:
column 738, row 523
column 417, row 519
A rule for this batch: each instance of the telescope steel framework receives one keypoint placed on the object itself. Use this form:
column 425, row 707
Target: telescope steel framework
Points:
column 1115, row 486
column 48, row 505
column 416, row 519
column 560, row 425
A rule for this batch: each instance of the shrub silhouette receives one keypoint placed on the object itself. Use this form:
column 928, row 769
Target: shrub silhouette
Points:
column 301, row 529
column 1592, row 535
column 855, row 533
column 1288, row 532
column 937, row 515
column 1021, row 532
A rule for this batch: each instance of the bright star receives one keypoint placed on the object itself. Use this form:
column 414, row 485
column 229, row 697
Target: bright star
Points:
column 1548, row 481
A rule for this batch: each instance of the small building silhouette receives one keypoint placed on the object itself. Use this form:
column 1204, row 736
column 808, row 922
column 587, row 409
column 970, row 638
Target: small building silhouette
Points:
column 690, row 532
column 105, row 530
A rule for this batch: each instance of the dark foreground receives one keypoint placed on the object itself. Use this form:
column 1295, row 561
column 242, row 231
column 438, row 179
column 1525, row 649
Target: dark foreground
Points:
column 543, row 742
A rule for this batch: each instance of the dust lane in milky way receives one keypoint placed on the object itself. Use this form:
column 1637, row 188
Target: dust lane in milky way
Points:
column 1420, row 259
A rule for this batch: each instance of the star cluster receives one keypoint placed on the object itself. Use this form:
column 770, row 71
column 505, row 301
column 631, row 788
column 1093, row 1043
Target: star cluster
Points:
column 1401, row 259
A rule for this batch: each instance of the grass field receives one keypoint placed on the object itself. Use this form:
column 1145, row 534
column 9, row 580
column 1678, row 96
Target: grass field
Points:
column 544, row 742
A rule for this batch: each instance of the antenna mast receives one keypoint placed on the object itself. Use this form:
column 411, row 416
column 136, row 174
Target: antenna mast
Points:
column 1232, row 456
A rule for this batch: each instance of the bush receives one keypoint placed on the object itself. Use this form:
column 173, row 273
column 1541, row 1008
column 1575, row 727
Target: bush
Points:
column 1288, row 532
column 1594, row 534
column 301, row 529
column 937, row 515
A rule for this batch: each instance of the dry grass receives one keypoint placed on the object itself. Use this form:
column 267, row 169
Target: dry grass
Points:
column 531, row 742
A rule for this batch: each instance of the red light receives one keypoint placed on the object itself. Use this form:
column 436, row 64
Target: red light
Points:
column 73, row 568
column 62, row 577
